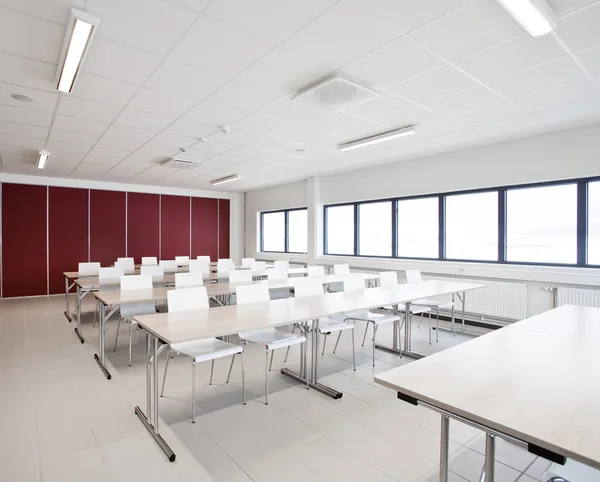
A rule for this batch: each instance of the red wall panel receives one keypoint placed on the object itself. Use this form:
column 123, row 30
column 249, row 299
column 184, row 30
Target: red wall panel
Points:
column 24, row 261
column 142, row 225
column 175, row 227
column 205, row 227
column 67, row 233
column 224, row 228
column 107, row 226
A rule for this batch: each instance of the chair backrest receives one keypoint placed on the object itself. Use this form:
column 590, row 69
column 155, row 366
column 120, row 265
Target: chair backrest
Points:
column 152, row 270
column 341, row 269
column 88, row 269
column 187, row 299
column 252, row 293
column 168, row 265
column 413, row 276
column 225, row 265
column 203, row 258
column 258, row 266
column 240, row 275
column 126, row 266
column 127, row 261
column 354, row 282
column 136, row 282
column 199, row 266
column 247, row 262
column 307, row 287
column 182, row 260
column 149, row 261
column 276, row 273
column 318, row 270
column 282, row 265
column 110, row 273
column 388, row 278
column 188, row 279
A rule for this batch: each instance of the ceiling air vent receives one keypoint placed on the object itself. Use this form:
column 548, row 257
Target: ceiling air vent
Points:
column 335, row 93
column 180, row 163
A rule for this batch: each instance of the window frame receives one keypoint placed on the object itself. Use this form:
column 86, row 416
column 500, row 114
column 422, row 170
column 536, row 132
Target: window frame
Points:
column 502, row 191
column 286, row 230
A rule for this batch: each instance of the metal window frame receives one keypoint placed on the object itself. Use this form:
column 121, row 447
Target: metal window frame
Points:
column 286, row 228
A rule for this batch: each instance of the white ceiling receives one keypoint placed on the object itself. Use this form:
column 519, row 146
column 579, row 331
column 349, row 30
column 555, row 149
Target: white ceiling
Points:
column 163, row 74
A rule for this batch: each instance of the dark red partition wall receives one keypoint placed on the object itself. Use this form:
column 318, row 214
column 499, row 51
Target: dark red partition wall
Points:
column 24, row 261
column 174, row 227
column 67, row 233
column 205, row 222
column 142, row 225
column 224, row 228
column 107, row 226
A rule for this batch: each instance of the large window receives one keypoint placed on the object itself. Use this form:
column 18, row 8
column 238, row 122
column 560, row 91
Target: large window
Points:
column 339, row 221
column 541, row 224
column 472, row 226
column 594, row 223
column 284, row 231
column 418, row 228
column 375, row 229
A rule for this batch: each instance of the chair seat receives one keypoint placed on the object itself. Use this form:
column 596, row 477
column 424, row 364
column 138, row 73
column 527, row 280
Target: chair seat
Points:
column 328, row 325
column 435, row 303
column 272, row 338
column 375, row 318
column 203, row 350
column 414, row 309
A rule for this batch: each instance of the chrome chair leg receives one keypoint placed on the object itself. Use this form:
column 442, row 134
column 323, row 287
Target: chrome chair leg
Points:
column 267, row 377
column 353, row 349
column 243, row 377
column 193, row 391
column 365, row 335
column 287, row 352
column 337, row 341
column 212, row 369
column 374, row 334
column 162, row 390
column 429, row 326
column 271, row 363
column 117, row 337
column 437, row 324
column 305, row 362
column 230, row 368
column 324, row 342
column 130, row 336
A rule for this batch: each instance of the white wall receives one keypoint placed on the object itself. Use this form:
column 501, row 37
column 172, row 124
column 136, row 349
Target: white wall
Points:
column 558, row 155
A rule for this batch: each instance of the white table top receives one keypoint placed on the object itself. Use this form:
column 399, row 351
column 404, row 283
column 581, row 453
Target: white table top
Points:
column 536, row 380
column 193, row 325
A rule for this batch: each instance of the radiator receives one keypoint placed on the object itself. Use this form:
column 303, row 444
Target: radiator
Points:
column 496, row 300
column 573, row 296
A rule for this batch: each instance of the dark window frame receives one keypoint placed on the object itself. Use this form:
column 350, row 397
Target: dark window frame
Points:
column 286, row 229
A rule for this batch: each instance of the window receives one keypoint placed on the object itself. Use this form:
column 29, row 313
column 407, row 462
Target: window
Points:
column 541, row 224
column 418, row 228
column 284, row 231
column 375, row 229
column 594, row 223
column 472, row 226
column 339, row 227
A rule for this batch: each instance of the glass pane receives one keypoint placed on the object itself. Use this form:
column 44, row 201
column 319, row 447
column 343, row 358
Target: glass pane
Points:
column 297, row 234
column 541, row 224
column 273, row 231
column 375, row 235
column 340, row 230
column 594, row 223
column 472, row 226
column 418, row 235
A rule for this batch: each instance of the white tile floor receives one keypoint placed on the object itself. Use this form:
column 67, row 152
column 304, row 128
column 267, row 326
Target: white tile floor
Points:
column 62, row 421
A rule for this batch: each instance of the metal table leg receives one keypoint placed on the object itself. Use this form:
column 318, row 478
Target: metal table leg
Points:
column 77, row 329
column 100, row 357
column 490, row 455
column 463, row 310
column 67, row 301
column 396, row 346
column 444, row 445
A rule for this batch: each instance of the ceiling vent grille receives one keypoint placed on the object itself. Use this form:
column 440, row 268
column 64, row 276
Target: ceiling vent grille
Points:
column 334, row 94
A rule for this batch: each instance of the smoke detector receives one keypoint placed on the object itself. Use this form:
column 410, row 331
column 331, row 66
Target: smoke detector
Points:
column 334, row 94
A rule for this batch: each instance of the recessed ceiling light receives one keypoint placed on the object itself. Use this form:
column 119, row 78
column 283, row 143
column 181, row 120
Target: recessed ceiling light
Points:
column 535, row 16
column 384, row 136
column 223, row 180
column 23, row 98
column 300, row 149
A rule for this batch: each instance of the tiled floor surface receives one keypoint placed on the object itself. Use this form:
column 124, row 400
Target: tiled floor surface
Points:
column 62, row 421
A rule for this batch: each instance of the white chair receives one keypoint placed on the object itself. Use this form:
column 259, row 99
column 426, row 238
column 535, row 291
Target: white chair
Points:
column 413, row 276
column 168, row 265
column 106, row 281
column 188, row 299
column 149, row 261
column 390, row 278
column 318, row 270
column 152, row 270
column 356, row 283
column 183, row 280
column 224, row 266
column 182, row 260
column 247, row 262
column 240, row 276
column 341, row 269
column 203, row 258
column 126, row 264
column 200, row 267
column 305, row 287
column 258, row 268
column 129, row 310
column 276, row 274
column 270, row 338
column 282, row 265
column 88, row 269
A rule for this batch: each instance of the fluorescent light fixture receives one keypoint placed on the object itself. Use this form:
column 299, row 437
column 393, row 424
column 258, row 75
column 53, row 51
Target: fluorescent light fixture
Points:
column 223, row 180
column 535, row 16
column 42, row 159
column 80, row 31
column 385, row 136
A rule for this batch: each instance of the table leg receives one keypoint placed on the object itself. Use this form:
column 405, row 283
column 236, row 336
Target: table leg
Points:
column 100, row 356
column 77, row 329
column 395, row 347
column 444, row 445
column 67, row 301
column 452, row 321
column 463, row 311
column 490, row 455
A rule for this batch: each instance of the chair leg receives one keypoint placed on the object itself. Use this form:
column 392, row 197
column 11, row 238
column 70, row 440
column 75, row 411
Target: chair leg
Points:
column 230, row 368
column 117, row 337
column 271, row 362
column 243, row 377
column 374, row 334
column 429, row 326
column 365, row 335
column 130, row 335
column 212, row 369
column 353, row 349
column 194, row 391
column 162, row 390
column 337, row 341
column 437, row 324
column 267, row 377
column 324, row 342
column 305, row 362
column 287, row 352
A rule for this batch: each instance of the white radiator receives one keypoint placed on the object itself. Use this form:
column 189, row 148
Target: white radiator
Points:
column 573, row 296
column 497, row 299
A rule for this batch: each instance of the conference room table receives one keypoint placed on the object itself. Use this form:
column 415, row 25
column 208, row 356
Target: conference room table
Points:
column 110, row 300
column 533, row 383
column 164, row 329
